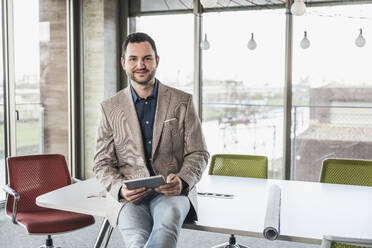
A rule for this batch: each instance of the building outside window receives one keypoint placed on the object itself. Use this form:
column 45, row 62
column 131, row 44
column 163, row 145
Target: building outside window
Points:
column 332, row 88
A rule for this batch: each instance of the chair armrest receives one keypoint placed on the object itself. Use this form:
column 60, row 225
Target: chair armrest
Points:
column 75, row 180
column 16, row 196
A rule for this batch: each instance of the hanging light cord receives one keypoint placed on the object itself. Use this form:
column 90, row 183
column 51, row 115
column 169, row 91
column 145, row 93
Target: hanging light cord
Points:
column 280, row 1
column 184, row 5
column 223, row 8
column 258, row 5
column 187, row 7
column 166, row 4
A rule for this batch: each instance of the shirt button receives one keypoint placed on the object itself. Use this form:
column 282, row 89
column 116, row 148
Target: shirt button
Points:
column 147, row 122
column 150, row 142
column 146, row 102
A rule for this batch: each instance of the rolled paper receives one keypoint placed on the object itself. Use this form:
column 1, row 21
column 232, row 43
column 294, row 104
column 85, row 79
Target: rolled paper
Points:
column 272, row 219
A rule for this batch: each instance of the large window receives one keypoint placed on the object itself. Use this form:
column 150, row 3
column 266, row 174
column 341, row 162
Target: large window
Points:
column 175, row 47
column 39, row 31
column 2, row 131
column 242, row 88
column 332, row 88
column 41, row 87
column 242, row 102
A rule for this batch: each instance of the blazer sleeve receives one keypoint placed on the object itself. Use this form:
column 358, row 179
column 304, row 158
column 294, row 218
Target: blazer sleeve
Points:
column 106, row 167
column 195, row 149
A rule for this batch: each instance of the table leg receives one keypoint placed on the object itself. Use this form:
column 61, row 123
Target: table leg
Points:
column 108, row 236
column 102, row 232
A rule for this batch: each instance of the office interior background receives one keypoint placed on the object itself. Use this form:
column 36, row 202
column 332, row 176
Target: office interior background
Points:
column 295, row 105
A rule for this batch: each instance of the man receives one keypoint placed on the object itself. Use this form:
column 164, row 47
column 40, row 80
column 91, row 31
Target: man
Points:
column 149, row 129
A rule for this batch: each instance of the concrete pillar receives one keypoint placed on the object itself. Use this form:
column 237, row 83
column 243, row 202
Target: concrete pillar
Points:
column 101, row 69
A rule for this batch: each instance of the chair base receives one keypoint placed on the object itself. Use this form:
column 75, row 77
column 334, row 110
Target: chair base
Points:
column 227, row 245
column 231, row 244
column 49, row 243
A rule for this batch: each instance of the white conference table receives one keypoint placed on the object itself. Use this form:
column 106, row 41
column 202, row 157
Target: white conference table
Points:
column 308, row 210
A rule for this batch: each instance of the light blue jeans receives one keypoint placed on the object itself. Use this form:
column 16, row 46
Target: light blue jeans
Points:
column 155, row 222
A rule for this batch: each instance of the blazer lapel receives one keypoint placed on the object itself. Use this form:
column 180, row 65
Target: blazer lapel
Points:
column 130, row 111
column 160, row 114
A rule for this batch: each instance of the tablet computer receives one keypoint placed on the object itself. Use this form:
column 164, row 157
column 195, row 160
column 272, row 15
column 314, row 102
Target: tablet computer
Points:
column 147, row 182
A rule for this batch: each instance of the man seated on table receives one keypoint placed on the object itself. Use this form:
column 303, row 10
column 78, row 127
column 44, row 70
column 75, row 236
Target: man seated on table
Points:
column 149, row 129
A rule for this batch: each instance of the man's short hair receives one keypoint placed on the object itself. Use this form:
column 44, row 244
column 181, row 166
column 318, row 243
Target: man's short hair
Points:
column 137, row 38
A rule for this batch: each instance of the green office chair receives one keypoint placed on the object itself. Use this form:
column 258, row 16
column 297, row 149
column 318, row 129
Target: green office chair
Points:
column 347, row 171
column 237, row 166
column 339, row 242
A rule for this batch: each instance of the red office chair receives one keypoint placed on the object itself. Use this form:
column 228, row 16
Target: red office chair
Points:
column 34, row 175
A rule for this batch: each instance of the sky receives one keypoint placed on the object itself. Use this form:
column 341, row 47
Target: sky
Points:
column 26, row 37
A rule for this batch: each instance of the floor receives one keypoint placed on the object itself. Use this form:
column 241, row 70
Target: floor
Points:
column 14, row 236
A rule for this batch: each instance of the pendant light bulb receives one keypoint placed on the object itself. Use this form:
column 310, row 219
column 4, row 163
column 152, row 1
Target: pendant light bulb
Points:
column 208, row 3
column 298, row 8
column 305, row 43
column 252, row 43
column 204, row 45
column 360, row 41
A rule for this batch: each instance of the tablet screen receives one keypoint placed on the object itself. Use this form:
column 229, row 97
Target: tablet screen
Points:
column 147, row 182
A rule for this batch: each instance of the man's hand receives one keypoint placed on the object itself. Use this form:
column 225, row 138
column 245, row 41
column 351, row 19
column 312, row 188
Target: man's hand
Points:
column 172, row 187
column 135, row 195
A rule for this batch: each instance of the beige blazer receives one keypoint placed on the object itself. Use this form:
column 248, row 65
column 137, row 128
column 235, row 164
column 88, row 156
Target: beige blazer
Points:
column 178, row 145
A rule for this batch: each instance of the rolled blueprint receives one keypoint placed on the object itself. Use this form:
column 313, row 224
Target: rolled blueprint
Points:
column 272, row 219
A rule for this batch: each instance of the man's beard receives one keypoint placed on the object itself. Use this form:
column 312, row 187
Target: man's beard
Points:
column 146, row 81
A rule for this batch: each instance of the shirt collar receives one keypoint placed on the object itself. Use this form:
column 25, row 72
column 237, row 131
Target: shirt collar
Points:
column 153, row 94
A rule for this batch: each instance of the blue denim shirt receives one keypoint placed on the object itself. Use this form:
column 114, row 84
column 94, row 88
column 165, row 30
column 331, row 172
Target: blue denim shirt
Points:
column 145, row 109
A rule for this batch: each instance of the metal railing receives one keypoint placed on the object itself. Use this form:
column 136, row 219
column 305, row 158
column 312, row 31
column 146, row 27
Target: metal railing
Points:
column 30, row 128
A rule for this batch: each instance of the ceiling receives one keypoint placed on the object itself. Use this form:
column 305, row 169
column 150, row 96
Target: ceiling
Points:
column 153, row 6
